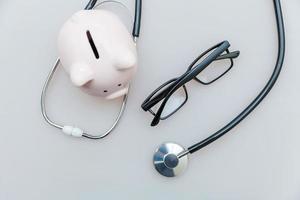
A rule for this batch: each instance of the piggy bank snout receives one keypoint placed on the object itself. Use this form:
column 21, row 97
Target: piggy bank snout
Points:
column 81, row 74
column 118, row 93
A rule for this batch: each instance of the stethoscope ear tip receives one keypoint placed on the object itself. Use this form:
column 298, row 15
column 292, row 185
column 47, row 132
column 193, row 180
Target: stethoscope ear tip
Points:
column 167, row 160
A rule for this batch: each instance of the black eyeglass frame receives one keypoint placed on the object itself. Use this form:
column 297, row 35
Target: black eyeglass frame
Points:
column 229, row 55
column 161, row 87
column 189, row 75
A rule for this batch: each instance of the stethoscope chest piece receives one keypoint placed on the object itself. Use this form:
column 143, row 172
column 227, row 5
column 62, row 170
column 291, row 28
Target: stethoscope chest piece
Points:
column 167, row 161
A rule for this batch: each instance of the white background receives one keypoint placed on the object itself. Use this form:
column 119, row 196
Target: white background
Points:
column 258, row 160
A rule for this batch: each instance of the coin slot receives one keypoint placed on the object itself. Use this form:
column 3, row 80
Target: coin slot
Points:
column 92, row 44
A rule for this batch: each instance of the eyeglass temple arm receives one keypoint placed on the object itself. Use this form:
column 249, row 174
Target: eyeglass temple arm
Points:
column 150, row 102
column 230, row 55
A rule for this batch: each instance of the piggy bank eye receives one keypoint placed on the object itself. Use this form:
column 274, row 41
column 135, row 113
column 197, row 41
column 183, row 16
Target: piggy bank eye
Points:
column 92, row 44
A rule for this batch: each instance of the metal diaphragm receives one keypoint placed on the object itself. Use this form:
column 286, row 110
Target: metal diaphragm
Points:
column 167, row 162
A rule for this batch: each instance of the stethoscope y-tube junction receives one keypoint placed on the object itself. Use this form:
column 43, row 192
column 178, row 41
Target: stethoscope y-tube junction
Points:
column 168, row 162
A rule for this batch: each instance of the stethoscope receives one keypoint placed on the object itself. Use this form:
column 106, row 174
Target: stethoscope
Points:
column 75, row 131
column 171, row 159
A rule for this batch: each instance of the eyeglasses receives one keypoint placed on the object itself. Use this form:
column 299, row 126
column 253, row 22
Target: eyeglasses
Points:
column 171, row 96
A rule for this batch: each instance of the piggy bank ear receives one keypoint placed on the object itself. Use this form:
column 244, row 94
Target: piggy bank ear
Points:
column 125, row 60
column 81, row 74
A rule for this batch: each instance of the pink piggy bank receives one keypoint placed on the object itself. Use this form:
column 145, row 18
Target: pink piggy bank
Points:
column 98, row 52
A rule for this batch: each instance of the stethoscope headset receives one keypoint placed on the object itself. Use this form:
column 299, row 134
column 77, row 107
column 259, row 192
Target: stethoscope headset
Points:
column 171, row 159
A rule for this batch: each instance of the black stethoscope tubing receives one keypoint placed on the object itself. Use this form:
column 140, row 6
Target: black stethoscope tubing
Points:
column 257, row 100
column 137, row 17
column 262, row 94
